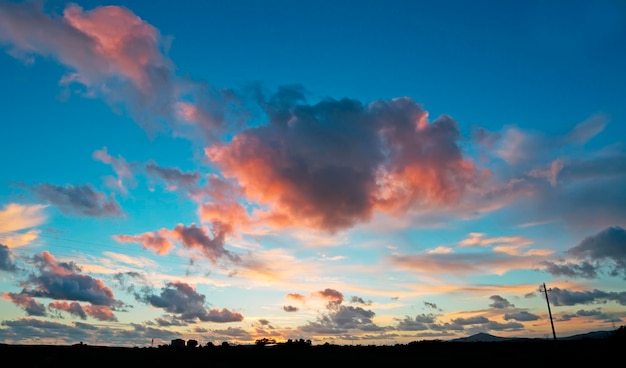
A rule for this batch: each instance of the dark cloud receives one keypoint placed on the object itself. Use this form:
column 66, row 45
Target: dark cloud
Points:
column 183, row 301
column 82, row 200
column 174, row 177
column 63, row 281
column 359, row 300
column 6, row 259
column 595, row 314
column 510, row 326
column 290, row 308
column 419, row 323
column 521, row 316
column 330, row 165
column 29, row 330
column 340, row 319
column 607, row 251
column 500, row 302
column 195, row 237
column 607, row 245
column 478, row 320
column 563, row 297
column 583, row 269
column 431, row 305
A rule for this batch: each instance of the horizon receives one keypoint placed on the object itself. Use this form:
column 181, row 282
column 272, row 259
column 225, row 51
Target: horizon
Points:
column 393, row 172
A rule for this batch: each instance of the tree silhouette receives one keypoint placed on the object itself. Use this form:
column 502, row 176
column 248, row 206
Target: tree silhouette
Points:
column 264, row 341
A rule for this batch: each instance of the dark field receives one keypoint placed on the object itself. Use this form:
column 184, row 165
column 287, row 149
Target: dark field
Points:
column 540, row 353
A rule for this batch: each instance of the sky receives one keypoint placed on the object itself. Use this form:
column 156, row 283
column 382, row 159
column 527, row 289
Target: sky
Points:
column 373, row 173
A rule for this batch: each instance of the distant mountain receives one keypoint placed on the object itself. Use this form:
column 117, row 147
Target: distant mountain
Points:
column 485, row 337
column 482, row 337
column 589, row 335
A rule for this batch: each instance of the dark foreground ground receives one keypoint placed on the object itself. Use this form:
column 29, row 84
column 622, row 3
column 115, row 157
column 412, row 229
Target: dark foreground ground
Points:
column 541, row 353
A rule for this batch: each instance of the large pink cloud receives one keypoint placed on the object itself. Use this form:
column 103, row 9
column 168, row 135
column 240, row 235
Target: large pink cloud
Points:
column 109, row 51
column 332, row 165
column 113, row 54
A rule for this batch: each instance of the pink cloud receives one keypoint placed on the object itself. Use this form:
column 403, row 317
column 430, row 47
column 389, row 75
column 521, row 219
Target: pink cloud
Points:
column 109, row 50
column 156, row 240
column 198, row 238
column 122, row 169
column 329, row 294
column 332, row 165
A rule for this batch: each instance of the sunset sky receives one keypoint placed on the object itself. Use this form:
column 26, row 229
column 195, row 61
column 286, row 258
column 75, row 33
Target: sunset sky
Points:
column 372, row 172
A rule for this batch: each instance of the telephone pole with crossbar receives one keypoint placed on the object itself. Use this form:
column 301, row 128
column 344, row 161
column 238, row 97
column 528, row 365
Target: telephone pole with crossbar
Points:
column 544, row 290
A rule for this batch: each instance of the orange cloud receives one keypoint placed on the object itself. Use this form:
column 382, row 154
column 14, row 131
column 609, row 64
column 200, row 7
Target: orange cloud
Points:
column 297, row 297
column 332, row 165
column 15, row 217
column 156, row 240
column 463, row 264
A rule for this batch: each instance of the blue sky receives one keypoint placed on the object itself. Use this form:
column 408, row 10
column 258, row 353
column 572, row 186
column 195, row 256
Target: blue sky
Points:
column 373, row 174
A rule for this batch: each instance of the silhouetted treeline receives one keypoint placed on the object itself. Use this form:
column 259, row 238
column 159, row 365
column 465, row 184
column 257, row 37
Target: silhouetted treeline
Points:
column 531, row 352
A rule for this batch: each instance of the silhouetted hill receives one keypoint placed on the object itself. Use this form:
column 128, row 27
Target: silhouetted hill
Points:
column 485, row 337
column 482, row 337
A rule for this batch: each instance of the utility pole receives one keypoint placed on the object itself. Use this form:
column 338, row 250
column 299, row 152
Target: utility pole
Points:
column 544, row 290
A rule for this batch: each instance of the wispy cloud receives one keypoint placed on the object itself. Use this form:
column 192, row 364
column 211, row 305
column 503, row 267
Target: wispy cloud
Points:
column 81, row 200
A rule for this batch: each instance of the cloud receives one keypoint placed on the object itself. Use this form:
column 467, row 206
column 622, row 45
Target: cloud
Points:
column 340, row 318
column 109, row 51
column 569, row 269
column 25, row 329
column 558, row 176
column 588, row 194
column 502, row 244
column 30, row 305
column 290, row 308
column 182, row 300
column 82, row 200
column 113, row 54
column 521, row 147
column 587, row 129
column 99, row 312
column 194, row 237
column 521, row 316
column 15, row 217
column 500, row 302
column 191, row 237
column 156, row 240
column 6, row 259
column 564, row 297
column 63, row 281
column 331, row 295
column 174, row 177
column 418, row 323
column 463, row 264
column 295, row 296
column 605, row 250
column 122, row 169
column 607, row 245
column 333, row 164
